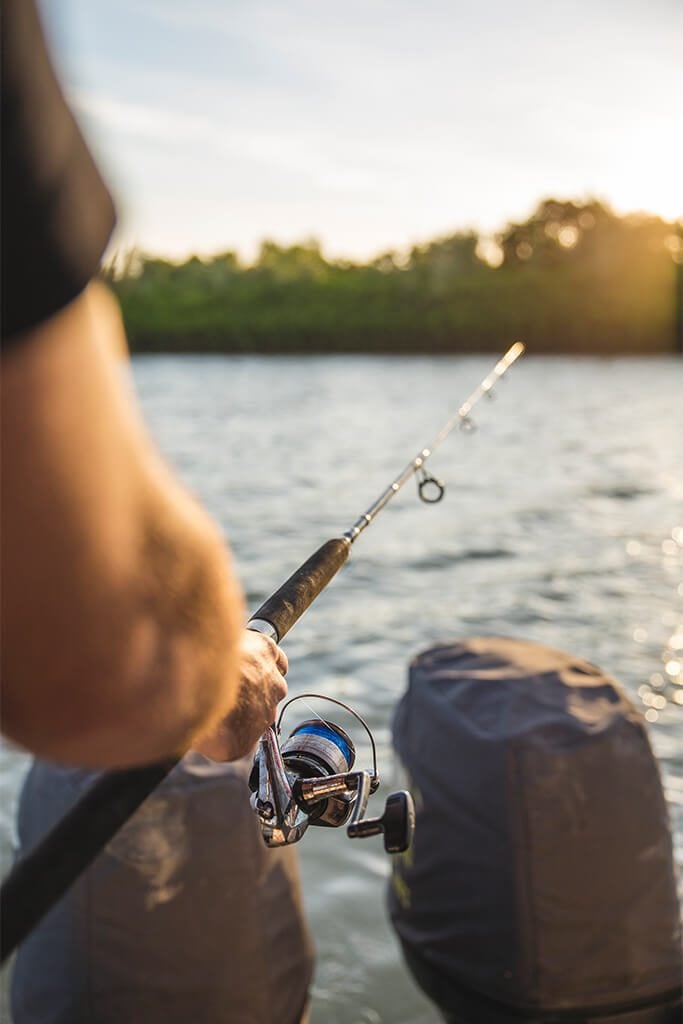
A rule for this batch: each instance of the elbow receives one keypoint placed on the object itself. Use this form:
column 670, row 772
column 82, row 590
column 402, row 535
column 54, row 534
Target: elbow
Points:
column 117, row 715
column 136, row 692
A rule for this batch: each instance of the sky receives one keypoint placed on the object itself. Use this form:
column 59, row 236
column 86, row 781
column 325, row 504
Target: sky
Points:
column 369, row 124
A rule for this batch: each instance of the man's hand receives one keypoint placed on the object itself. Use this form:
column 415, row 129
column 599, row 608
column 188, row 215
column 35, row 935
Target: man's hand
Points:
column 261, row 688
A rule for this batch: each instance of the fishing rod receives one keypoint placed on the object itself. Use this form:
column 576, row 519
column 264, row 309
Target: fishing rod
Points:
column 42, row 877
column 278, row 614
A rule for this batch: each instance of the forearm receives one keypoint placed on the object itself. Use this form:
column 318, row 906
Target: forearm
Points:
column 121, row 614
column 182, row 657
column 139, row 679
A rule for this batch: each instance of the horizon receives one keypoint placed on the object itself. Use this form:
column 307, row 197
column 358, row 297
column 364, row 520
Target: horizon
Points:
column 370, row 129
column 486, row 251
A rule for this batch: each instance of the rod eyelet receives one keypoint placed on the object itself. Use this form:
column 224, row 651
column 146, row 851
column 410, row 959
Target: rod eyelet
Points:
column 429, row 489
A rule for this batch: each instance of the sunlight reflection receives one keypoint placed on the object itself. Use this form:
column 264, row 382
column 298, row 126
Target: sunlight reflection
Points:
column 664, row 687
column 490, row 252
column 675, row 246
column 568, row 236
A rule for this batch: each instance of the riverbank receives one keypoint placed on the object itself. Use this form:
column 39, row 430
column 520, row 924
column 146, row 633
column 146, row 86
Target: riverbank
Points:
column 574, row 279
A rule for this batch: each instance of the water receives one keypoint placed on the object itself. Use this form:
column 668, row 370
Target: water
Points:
column 562, row 523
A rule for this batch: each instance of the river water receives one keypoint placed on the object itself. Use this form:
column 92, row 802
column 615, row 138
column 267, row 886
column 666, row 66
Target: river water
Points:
column 562, row 523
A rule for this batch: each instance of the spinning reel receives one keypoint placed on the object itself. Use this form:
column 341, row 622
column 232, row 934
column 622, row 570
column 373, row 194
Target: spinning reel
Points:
column 308, row 781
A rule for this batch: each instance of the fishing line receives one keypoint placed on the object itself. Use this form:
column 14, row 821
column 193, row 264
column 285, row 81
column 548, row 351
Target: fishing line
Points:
column 312, row 710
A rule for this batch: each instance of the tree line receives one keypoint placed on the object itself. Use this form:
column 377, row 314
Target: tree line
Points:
column 573, row 278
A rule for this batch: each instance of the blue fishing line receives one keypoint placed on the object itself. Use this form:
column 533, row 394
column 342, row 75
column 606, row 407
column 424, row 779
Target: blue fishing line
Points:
column 329, row 734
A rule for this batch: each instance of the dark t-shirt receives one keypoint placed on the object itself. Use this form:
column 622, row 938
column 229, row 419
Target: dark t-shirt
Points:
column 57, row 215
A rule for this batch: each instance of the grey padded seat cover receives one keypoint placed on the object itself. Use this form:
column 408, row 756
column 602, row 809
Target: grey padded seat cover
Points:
column 186, row 918
column 542, row 871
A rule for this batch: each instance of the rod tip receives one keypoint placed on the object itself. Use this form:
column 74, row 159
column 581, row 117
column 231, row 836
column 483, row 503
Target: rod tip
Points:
column 515, row 351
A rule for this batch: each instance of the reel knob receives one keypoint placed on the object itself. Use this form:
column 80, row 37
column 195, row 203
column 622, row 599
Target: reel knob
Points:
column 397, row 823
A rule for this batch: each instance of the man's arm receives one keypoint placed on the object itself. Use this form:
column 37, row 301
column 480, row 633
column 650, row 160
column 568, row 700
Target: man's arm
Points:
column 121, row 617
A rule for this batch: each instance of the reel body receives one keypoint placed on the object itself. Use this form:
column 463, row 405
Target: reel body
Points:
column 318, row 750
column 309, row 781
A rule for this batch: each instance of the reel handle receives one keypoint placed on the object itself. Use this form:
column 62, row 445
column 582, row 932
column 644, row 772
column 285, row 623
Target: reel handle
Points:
column 397, row 823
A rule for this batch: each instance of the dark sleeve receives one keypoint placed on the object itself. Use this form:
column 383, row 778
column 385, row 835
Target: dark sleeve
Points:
column 57, row 215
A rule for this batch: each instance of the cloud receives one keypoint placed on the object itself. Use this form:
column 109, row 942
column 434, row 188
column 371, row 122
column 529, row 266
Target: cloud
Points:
column 210, row 137
column 390, row 117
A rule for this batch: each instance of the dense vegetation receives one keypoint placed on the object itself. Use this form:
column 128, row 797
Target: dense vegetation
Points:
column 573, row 278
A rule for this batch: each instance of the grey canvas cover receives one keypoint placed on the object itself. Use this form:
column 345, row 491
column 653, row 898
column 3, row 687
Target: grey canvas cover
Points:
column 185, row 918
column 542, row 872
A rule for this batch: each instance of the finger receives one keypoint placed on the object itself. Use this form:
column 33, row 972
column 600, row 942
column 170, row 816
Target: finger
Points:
column 281, row 661
column 278, row 689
